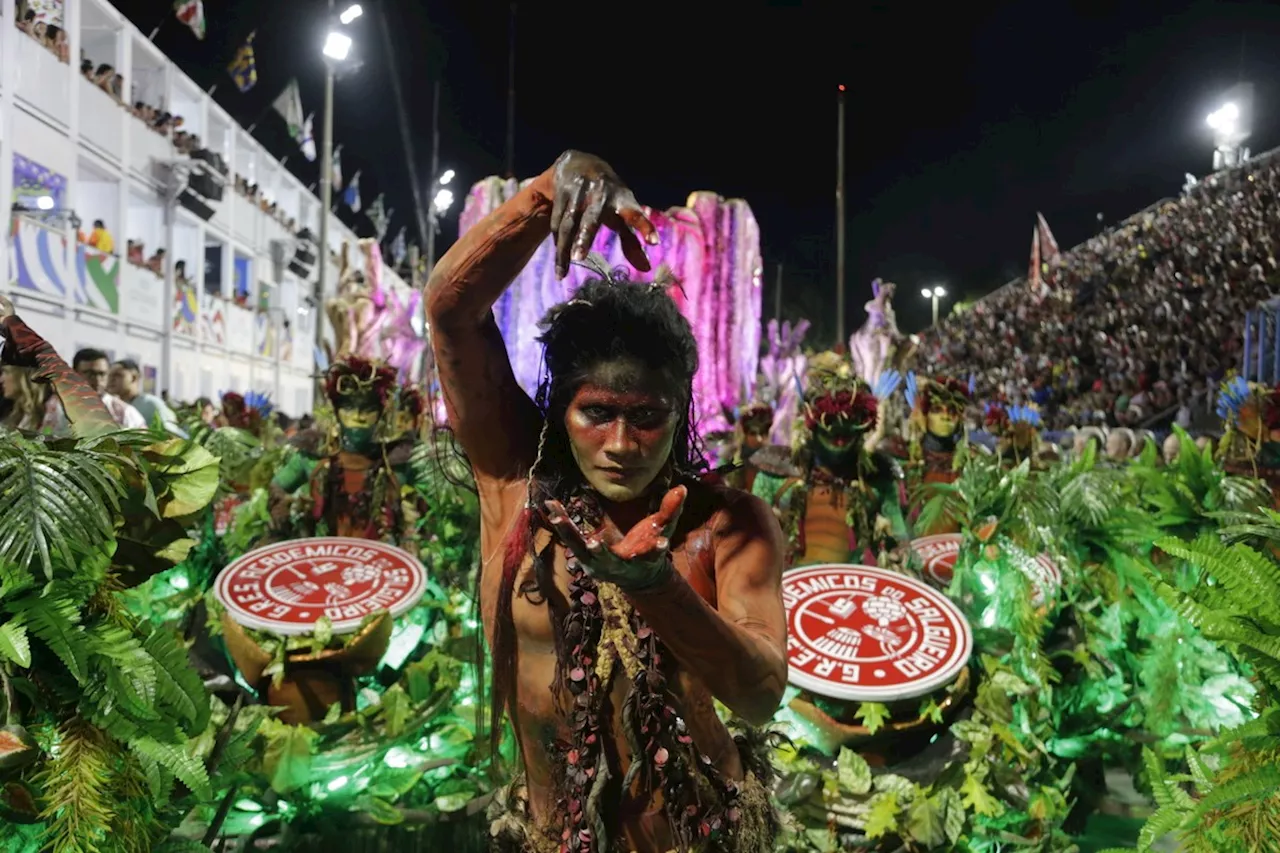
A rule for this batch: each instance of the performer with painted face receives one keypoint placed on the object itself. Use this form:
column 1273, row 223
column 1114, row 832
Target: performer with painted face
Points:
column 839, row 501
column 355, row 488
column 620, row 595
column 935, row 429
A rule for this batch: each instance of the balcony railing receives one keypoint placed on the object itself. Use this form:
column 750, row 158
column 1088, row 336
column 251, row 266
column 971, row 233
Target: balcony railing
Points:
column 43, row 81
column 101, row 119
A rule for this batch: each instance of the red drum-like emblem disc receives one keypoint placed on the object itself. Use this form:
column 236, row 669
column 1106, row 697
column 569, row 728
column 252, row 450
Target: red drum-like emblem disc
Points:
column 870, row 635
column 284, row 588
column 939, row 554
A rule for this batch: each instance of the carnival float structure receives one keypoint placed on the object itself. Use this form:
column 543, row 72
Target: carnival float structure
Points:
column 711, row 247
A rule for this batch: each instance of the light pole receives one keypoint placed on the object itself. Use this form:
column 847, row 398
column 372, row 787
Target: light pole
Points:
column 440, row 204
column 934, row 294
column 337, row 46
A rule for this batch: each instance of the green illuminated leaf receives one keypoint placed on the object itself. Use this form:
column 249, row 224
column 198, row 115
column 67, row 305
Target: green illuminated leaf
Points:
column 882, row 819
column 978, row 799
column 384, row 812
column 873, row 715
column 287, row 759
column 853, row 772
column 14, row 645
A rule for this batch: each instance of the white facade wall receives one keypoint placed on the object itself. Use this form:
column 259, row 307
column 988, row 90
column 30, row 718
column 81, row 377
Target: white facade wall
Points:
column 51, row 117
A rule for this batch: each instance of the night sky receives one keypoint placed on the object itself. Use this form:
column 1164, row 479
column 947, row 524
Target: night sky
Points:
column 963, row 119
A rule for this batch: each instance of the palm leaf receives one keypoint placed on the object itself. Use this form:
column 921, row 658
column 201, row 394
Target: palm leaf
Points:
column 53, row 502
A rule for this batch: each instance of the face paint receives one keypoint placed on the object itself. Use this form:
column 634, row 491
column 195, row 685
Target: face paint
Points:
column 356, row 427
column 621, row 424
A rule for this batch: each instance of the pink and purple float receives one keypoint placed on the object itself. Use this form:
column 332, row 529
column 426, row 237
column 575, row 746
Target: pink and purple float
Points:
column 711, row 246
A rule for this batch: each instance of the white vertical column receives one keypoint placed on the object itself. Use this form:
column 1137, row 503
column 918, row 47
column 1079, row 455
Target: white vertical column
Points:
column 8, row 84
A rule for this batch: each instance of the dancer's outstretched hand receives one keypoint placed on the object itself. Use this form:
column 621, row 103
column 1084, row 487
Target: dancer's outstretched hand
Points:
column 589, row 194
column 632, row 562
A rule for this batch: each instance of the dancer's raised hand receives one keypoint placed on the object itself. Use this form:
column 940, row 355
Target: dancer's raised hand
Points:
column 589, row 194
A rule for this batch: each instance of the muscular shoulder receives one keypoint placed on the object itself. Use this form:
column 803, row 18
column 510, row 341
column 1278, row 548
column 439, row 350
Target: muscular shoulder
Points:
column 731, row 513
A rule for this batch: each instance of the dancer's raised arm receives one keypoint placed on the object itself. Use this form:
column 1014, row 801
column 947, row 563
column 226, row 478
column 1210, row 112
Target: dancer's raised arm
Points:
column 493, row 418
column 85, row 410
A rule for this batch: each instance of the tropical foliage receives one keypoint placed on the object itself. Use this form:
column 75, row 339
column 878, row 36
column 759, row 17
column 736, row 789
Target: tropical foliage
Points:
column 106, row 724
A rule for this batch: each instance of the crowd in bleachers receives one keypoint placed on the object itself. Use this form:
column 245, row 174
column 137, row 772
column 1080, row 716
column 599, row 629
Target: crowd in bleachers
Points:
column 1142, row 320
column 51, row 36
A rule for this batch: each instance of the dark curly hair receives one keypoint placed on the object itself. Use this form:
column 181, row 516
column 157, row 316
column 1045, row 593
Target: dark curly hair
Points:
column 608, row 319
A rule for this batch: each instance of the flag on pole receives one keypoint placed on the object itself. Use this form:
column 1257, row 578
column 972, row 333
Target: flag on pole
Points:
column 289, row 106
column 336, row 178
column 1048, row 246
column 307, row 141
column 191, row 13
column 244, row 68
column 351, row 198
column 399, row 248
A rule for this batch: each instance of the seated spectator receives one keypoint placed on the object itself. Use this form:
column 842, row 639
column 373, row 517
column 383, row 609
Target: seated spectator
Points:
column 125, row 381
column 100, row 238
column 155, row 263
column 92, row 364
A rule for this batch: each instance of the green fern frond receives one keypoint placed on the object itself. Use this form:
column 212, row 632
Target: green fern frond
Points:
column 78, row 805
column 179, row 684
column 54, row 502
column 54, row 621
column 1259, row 784
column 1251, row 579
column 1165, row 820
column 188, row 769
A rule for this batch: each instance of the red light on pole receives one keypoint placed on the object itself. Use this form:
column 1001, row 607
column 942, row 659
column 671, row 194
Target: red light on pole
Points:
column 841, row 87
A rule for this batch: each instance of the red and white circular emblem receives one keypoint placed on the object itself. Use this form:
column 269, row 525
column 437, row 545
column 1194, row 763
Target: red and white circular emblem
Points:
column 940, row 553
column 870, row 635
column 286, row 587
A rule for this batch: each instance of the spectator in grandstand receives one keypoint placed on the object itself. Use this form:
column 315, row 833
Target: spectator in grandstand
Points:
column 94, row 366
column 1136, row 314
column 100, row 238
column 125, row 381
column 155, row 263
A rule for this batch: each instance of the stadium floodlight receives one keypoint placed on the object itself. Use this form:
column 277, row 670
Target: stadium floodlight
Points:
column 337, row 46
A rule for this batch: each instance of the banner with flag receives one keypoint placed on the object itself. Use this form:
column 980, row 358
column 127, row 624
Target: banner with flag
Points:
column 244, row 68
column 307, row 140
column 289, row 106
column 1048, row 246
column 191, row 13
column 399, row 248
column 336, row 177
column 351, row 197
column 1033, row 269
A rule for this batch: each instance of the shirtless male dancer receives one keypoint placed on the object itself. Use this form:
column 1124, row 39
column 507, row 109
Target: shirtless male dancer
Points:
column 620, row 594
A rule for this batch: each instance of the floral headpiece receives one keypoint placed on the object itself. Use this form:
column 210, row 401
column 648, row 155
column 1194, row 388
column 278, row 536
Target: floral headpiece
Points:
column 755, row 417
column 409, row 399
column 853, row 405
column 996, row 419
column 356, row 379
column 946, row 393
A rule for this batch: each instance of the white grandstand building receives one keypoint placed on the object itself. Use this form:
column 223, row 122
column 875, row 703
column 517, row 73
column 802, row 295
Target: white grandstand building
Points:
column 242, row 317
